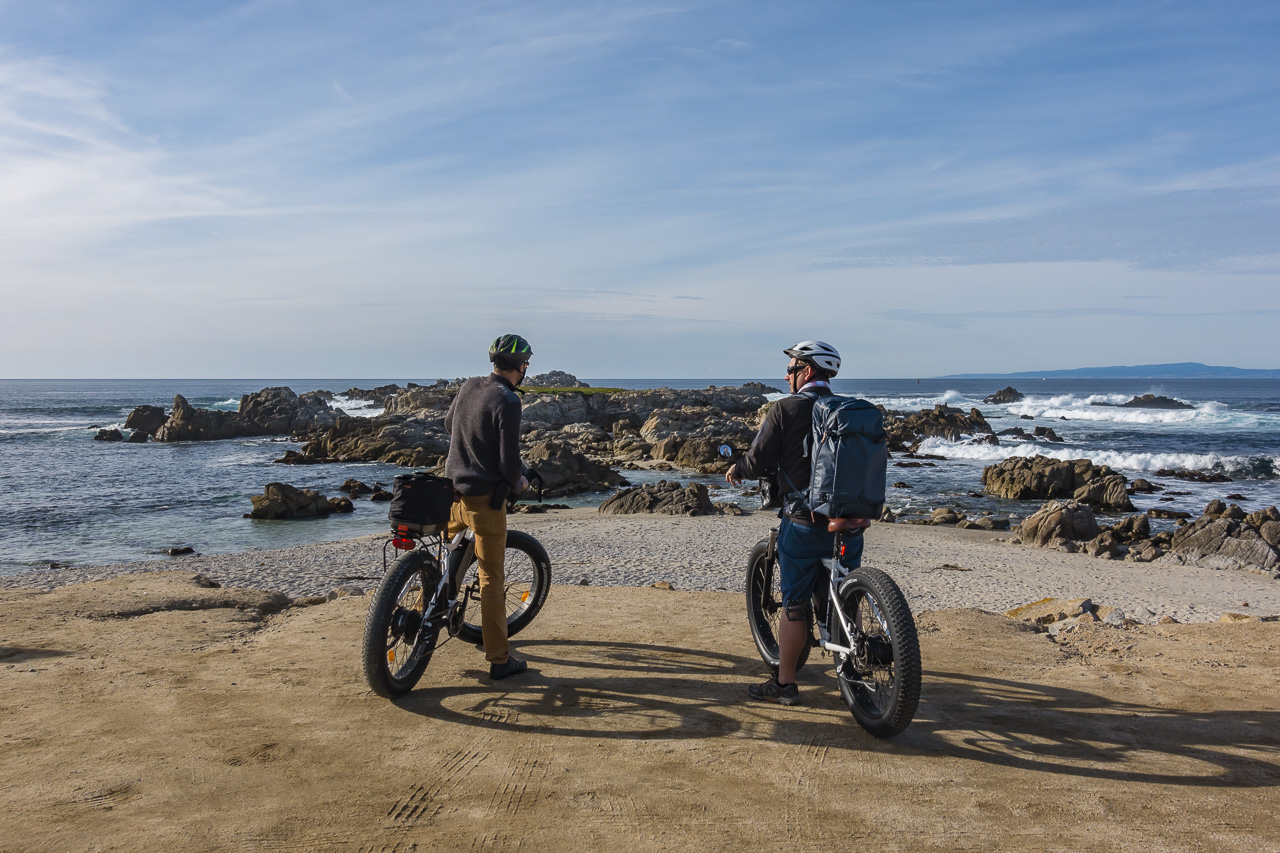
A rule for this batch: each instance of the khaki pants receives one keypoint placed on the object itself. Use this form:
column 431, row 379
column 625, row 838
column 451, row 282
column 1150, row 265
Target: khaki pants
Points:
column 490, row 528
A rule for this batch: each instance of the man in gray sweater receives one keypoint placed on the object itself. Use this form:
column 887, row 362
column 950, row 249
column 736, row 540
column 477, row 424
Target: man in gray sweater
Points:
column 484, row 464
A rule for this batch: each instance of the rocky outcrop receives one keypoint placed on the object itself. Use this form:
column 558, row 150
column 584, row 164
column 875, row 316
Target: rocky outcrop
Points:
column 1004, row 397
column 942, row 421
column 416, row 442
column 565, row 471
column 1226, row 537
column 605, row 409
column 147, row 419
column 1192, row 476
column 187, row 423
column 1152, row 401
column 279, row 411
column 111, row 434
column 423, row 400
column 555, row 379
column 1022, row 478
column 280, row 501
column 1059, row 525
column 666, row 498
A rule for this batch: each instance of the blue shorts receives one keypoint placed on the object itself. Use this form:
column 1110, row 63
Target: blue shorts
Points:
column 801, row 550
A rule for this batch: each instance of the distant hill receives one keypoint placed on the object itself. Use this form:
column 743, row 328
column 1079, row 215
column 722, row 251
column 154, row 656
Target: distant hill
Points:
column 1182, row 370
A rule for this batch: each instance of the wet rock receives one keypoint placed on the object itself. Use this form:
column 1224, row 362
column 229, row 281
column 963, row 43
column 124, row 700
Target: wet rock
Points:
column 1008, row 395
column 1153, row 401
column 1144, row 486
column 353, row 486
column 147, row 419
column 181, row 551
column 281, row 501
column 1159, row 512
column 341, row 504
column 1047, row 434
column 187, row 423
column 1194, row 476
column 279, row 411
column 112, row 434
column 380, row 496
column 942, row 421
column 137, row 437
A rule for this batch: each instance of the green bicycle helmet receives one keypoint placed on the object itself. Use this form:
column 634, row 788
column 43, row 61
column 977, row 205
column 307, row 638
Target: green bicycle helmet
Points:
column 510, row 349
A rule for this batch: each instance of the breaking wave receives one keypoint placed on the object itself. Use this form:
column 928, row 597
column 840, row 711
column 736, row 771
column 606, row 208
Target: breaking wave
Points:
column 1260, row 467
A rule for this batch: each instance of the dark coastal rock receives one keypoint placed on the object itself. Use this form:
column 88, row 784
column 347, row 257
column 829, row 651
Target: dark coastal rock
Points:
column 1152, row 401
column 565, row 471
column 137, row 437
column 423, row 401
column 380, row 496
column 1004, row 397
column 146, row 419
column 1056, row 523
column 556, row 410
column 666, row 498
column 1160, row 512
column 280, row 501
column 1194, row 476
column 1047, row 433
column 279, row 411
column 398, row 439
column 379, row 395
column 341, row 504
column 1144, row 486
column 906, row 432
column 112, row 434
column 555, row 379
column 293, row 457
column 187, row 423
column 1026, row 417
column 1012, row 431
column 1021, row 478
column 355, row 487
column 945, row 515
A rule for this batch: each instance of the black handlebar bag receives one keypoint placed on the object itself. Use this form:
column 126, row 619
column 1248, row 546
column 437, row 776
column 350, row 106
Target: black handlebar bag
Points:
column 420, row 503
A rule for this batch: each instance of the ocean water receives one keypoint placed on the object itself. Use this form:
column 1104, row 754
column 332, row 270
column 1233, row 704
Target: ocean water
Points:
column 72, row 500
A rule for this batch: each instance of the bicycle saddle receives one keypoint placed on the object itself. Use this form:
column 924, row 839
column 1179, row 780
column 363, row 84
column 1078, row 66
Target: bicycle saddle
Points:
column 839, row 525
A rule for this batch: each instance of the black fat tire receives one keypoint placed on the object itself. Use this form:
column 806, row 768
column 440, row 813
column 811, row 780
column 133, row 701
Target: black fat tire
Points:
column 413, row 575
column 527, row 575
column 764, row 605
column 888, row 710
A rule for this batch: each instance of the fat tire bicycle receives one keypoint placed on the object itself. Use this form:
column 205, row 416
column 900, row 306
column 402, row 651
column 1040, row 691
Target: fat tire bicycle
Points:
column 425, row 592
column 863, row 620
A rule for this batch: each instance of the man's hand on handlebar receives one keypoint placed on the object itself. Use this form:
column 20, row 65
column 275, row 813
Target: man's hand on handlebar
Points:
column 732, row 475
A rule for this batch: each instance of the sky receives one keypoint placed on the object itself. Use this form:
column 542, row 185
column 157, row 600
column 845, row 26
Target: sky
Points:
column 642, row 189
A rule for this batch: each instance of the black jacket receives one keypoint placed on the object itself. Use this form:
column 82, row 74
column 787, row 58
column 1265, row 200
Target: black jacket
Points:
column 782, row 445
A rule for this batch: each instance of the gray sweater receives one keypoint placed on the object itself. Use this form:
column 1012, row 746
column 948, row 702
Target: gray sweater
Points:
column 484, row 436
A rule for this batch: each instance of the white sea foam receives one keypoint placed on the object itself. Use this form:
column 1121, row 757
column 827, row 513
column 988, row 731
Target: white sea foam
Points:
column 357, row 408
column 1120, row 460
column 914, row 404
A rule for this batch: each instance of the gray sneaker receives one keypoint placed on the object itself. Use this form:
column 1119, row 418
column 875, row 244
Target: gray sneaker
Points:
column 772, row 691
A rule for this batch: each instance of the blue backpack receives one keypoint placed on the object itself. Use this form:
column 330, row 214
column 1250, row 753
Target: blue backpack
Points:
column 848, row 458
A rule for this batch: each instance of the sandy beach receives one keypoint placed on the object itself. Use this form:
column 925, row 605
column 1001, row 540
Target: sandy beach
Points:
column 146, row 711
column 937, row 567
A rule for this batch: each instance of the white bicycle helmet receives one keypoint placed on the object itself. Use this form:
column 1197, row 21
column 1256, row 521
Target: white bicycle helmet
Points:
column 818, row 353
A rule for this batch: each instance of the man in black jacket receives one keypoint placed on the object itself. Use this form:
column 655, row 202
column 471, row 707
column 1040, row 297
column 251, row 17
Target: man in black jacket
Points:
column 484, row 464
column 803, row 540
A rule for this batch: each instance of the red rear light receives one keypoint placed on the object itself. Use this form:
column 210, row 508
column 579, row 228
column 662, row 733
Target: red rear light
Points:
column 842, row 549
column 401, row 543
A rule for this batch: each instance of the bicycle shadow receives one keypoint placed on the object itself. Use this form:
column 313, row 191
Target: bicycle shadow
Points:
column 1073, row 732
column 639, row 691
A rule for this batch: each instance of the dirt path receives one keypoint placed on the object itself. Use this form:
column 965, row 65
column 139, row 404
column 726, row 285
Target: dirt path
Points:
column 147, row 712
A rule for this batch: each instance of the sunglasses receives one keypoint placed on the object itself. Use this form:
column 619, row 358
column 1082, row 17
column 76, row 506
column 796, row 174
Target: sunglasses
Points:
column 796, row 368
